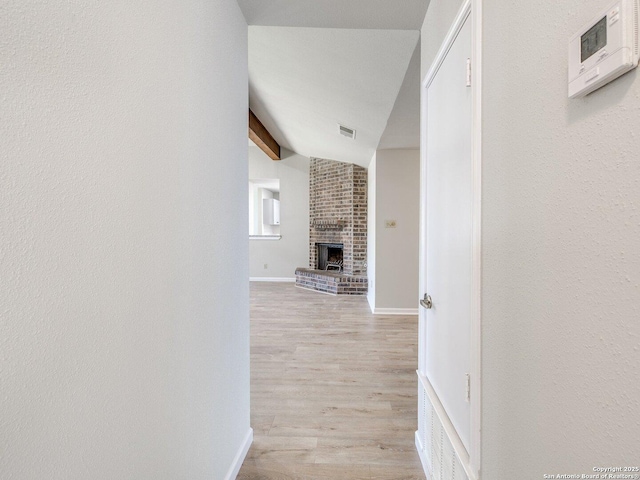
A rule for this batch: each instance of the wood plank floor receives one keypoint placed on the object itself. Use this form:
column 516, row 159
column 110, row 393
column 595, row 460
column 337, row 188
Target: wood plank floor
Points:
column 333, row 388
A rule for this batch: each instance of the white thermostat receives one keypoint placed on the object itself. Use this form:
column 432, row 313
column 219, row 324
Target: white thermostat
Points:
column 604, row 48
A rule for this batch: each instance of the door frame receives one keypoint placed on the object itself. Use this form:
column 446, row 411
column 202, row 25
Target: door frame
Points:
column 470, row 9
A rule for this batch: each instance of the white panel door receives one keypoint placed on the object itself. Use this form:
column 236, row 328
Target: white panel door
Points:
column 447, row 246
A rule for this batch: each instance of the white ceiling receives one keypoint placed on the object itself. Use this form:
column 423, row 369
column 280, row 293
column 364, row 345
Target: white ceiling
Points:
column 271, row 184
column 367, row 14
column 336, row 61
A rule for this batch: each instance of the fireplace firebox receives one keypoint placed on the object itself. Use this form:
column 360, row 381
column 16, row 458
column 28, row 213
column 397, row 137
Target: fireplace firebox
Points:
column 330, row 256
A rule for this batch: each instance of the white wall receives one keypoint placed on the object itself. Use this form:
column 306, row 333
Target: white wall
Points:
column 292, row 250
column 124, row 305
column 561, row 274
column 371, row 232
column 396, row 198
column 561, row 282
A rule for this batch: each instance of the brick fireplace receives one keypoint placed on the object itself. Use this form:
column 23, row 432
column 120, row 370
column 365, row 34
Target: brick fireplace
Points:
column 337, row 216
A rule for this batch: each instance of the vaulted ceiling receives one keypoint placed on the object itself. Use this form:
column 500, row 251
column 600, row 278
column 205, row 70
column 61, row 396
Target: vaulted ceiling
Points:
column 316, row 64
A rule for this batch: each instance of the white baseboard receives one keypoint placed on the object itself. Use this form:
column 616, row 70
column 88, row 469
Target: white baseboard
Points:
column 273, row 279
column 423, row 458
column 240, row 456
column 395, row 311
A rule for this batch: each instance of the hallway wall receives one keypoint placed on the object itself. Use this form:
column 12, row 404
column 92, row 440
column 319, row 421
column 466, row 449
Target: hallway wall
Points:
column 561, row 281
column 123, row 316
column 561, row 274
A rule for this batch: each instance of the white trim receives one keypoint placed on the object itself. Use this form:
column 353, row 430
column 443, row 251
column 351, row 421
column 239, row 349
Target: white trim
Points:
column 422, row 257
column 472, row 8
column 456, row 26
column 273, row 279
column 448, row 427
column 395, row 311
column 265, row 237
column 234, row 469
column 476, row 273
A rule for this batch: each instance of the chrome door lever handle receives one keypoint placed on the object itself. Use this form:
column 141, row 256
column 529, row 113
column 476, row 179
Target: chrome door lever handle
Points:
column 426, row 302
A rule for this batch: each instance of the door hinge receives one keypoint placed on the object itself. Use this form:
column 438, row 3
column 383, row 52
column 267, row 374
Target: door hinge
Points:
column 468, row 72
column 468, row 387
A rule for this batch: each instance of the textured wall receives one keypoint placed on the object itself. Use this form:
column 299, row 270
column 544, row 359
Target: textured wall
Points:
column 124, row 339
column 338, row 192
column 292, row 250
column 561, row 243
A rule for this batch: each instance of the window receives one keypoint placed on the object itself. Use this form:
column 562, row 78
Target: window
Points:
column 264, row 208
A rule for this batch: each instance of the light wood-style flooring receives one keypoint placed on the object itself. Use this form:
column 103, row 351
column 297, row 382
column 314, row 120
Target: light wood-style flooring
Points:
column 333, row 388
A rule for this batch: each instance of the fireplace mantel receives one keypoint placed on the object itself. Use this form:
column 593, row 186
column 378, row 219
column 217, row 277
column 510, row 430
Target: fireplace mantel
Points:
column 328, row 224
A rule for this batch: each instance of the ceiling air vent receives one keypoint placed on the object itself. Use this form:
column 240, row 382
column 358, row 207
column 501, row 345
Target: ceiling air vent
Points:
column 347, row 132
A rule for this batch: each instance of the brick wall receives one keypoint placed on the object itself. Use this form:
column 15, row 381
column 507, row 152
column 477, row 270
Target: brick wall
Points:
column 338, row 211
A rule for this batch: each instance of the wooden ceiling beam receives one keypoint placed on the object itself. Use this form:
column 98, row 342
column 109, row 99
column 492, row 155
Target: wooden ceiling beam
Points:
column 262, row 138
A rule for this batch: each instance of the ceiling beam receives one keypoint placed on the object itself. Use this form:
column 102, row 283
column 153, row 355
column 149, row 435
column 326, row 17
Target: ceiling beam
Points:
column 262, row 138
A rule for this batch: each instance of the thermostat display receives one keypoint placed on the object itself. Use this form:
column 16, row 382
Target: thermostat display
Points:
column 604, row 48
column 594, row 39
